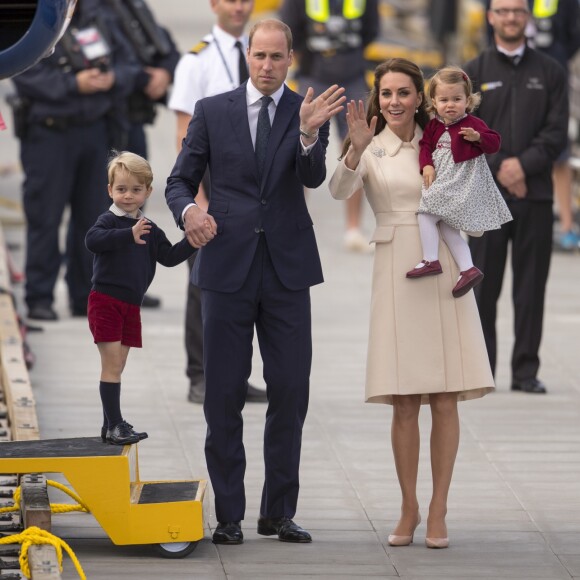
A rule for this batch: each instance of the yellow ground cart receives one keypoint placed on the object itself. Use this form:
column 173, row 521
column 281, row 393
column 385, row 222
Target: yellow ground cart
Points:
column 166, row 514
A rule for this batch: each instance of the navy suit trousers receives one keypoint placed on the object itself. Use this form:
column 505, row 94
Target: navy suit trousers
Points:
column 283, row 323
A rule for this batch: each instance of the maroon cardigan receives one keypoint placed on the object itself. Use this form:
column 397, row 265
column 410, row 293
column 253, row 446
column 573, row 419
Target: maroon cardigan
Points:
column 461, row 149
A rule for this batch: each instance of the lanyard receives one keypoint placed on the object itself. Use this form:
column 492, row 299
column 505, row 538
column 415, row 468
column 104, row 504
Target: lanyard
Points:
column 224, row 62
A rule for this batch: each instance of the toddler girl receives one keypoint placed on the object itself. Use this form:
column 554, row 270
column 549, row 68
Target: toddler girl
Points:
column 459, row 192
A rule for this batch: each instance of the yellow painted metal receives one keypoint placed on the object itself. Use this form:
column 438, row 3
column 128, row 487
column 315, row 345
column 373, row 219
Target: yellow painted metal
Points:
column 380, row 51
column 319, row 10
column 545, row 8
column 109, row 486
column 266, row 5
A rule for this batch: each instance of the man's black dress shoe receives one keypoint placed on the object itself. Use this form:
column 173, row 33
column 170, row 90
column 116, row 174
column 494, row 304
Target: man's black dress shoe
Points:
column 256, row 395
column 42, row 312
column 285, row 529
column 79, row 311
column 228, row 533
column 529, row 386
column 150, row 301
column 197, row 394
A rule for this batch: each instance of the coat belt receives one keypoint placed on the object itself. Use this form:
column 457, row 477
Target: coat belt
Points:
column 396, row 218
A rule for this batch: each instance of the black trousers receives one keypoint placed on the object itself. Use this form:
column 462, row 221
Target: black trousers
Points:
column 283, row 324
column 62, row 168
column 193, row 324
column 193, row 329
column 530, row 234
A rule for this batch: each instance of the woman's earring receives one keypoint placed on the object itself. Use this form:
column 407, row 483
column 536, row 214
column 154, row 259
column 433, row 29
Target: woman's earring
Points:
column 416, row 111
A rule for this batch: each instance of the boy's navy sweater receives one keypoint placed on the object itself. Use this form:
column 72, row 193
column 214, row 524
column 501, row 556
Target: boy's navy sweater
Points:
column 124, row 269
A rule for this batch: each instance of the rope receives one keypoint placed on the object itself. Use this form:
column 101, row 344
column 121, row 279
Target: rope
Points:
column 61, row 508
column 57, row 508
column 35, row 536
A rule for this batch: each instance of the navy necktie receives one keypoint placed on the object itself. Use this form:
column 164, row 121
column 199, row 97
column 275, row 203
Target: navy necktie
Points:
column 262, row 133
column 242, row 66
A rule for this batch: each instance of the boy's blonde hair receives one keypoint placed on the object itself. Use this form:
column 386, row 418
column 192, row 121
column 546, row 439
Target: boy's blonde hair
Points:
column 453, row 75
column 131, row 163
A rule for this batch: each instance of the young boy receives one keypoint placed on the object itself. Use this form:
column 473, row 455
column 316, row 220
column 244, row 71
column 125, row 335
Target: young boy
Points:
column 126, row 246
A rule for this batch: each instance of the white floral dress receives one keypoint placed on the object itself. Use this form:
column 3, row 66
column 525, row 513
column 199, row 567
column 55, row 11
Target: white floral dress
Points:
column 463, row 194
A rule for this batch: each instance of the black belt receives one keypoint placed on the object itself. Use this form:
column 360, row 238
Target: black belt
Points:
column 63, row 123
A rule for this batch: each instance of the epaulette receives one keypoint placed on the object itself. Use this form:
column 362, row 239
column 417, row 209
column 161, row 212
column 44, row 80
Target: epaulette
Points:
column 203, row 44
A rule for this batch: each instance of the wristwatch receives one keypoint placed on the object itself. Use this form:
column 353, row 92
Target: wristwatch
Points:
column 308, row 135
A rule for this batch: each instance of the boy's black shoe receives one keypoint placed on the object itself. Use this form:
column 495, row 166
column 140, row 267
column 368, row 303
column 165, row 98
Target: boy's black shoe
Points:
column 122, row 434
column 142, row 435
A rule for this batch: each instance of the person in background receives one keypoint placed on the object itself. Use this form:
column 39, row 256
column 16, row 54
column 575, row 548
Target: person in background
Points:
column 330, row 37
column 263, row 144
column 154, row 49
column 425, row 347
column 554, row 29
column 215, row 65
column 525, row 99
column 71, row 102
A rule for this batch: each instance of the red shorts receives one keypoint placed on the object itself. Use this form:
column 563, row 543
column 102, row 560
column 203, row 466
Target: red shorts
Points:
column 112, row 320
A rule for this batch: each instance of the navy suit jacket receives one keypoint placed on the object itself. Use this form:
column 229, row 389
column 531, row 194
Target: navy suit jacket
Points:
column 219, row 137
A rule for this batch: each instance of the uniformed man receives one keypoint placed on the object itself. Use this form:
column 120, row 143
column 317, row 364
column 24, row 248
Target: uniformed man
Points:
column 154, row 48
column 71, row 97
column 214, row 65
column 524, row 99
column 554, row 29
column 329, row 41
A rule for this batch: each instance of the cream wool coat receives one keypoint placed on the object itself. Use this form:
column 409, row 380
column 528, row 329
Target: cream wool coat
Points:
column 421, row 339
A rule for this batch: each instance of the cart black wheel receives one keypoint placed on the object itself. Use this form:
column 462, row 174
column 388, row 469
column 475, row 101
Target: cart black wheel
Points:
column 175, row 549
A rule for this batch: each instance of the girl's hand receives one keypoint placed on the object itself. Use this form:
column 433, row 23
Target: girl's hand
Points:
column 141, row 228
column 470, row 134
column 428, row 175
column 361, row 133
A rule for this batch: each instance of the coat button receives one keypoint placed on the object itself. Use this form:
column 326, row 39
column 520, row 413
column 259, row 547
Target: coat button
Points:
column 263, row 202
column 258, row 230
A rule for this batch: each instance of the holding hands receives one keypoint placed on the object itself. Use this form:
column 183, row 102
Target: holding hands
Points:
column 141, row 228
column 200, row 227
column 360, row 131
column 314, row 112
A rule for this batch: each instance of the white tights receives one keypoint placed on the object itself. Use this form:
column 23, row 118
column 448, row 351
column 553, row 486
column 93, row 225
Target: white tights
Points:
column 430, row 241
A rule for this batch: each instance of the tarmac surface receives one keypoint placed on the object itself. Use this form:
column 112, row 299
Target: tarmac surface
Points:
column 514, row 506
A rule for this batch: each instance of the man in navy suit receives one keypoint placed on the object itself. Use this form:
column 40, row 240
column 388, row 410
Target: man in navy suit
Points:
column 263, row 144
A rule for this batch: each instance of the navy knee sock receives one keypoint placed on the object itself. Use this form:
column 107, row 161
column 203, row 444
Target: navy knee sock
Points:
column 111, row 400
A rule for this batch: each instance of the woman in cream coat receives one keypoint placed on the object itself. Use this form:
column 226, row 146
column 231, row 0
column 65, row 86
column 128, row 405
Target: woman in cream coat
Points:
column 425, row 347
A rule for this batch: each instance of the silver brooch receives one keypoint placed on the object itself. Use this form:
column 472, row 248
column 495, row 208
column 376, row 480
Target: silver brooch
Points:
column 378, row 152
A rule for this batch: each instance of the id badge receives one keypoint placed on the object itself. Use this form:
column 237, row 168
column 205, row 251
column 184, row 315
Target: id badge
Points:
column 93, row 46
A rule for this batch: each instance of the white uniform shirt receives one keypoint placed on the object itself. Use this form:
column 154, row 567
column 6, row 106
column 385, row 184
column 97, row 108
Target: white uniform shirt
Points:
column 214, row 70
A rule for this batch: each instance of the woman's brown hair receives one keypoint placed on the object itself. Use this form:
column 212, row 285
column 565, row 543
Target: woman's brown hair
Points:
column 398, row 65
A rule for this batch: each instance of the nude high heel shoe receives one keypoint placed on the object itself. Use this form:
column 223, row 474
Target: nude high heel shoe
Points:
column 437, row 543
column 395, row 540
